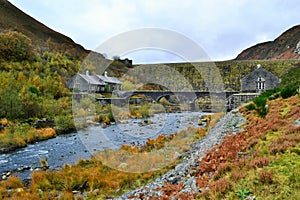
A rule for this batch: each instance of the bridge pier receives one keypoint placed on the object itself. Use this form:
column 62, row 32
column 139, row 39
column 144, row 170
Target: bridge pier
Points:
column 236, row 100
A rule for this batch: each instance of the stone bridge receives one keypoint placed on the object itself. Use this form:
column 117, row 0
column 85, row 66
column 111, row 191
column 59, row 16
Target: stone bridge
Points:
column 190, row 96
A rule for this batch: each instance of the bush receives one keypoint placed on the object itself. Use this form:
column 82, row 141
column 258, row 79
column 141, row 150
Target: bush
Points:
column 266, row 177
column 288, row 91
column 270, row 93
column 64, row 123
column 250, row 106
column 111, row 117
column 260, row 103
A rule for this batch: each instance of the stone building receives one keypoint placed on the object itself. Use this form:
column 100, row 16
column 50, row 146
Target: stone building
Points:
column 259, row 80
column 94, row 83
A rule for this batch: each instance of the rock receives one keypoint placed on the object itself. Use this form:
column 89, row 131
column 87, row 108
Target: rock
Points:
column 241, row 154
column 104, row 125
column 141, row 124
column 297, row 122
column 43, row 123
column 89, row 122
column 204, row 119
column 192, row 183
column 4, row 177
column 96, row 192
column 148, row 121
column 235, row 111
column 251, row 198
column 297, row 49
column 177, row 155
column 200, row 123
column 123, row 121
column 184, row 172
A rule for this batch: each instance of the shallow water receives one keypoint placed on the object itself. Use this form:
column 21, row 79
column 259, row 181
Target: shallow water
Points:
column 72, row 147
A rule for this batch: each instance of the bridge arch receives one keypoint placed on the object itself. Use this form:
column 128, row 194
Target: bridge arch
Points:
column 136, row 98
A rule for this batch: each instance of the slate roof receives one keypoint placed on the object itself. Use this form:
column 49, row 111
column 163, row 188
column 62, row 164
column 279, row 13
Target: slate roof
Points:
column 109, row 79
column 94, row 80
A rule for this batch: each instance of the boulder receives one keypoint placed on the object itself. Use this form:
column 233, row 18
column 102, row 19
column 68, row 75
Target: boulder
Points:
column 297, row 122
column 200, row 123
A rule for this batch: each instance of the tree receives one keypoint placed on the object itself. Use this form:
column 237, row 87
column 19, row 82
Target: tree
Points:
column 15, row 46
column 11, row 105
column 30, row 100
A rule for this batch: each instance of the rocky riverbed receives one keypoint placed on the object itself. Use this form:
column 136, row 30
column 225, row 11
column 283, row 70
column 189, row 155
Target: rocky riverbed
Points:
column 70, row 148
column 232, row 122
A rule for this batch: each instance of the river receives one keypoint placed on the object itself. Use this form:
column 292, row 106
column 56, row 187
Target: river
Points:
column 81, row 145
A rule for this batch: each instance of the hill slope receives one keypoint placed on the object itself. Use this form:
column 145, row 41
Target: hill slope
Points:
column 286, row 46
column 12, row 18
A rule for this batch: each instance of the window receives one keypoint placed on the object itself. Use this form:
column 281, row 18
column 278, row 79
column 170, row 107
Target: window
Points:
column 260, row 84
column 76, row 83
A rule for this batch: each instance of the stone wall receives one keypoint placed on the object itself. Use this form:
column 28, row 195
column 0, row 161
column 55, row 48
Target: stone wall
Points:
column 248, row 83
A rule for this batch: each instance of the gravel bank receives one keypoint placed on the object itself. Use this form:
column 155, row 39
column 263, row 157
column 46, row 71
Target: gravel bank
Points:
column 231, row 122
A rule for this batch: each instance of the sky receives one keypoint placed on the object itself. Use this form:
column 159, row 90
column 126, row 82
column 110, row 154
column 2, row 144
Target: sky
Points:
column 222, row 28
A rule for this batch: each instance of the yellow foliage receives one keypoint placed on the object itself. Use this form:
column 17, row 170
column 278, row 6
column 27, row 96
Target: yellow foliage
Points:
column 106, row 120
column 5, row 122
column 46, row 132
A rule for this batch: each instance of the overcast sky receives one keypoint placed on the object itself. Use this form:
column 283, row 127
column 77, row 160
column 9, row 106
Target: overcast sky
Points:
column 223, row 28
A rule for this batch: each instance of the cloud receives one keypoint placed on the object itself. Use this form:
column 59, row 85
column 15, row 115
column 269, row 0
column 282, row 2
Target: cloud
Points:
column 222, row 28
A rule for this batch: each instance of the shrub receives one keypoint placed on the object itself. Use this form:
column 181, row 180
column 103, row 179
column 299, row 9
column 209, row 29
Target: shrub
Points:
column 14, row 182
column 260, row 162
column 271, row 94
column 220, row 186
column 260, row 103
column 266, row 177
column 288, row 92
column 237, row 174
column 283, row 143
column 222, row 169
column 111, row 117
column 250, row 106
column 64, row 123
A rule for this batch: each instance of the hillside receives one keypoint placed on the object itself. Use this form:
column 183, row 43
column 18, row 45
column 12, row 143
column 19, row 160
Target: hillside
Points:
column 230, row 71
column 286, row 46
column 13, row 19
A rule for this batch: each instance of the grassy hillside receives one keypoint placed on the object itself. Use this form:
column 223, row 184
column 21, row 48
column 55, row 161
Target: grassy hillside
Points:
column 292, row 77
column 11, row 18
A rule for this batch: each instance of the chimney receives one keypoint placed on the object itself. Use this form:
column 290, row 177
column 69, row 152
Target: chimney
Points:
column 87, row 72
column 105, row 74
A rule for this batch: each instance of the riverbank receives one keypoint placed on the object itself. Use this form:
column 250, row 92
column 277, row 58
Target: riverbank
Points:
column 183, row 173
column 244, row 155
column 260, row 160
column 75, row 177
column 69, row 148
column 14, row 136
